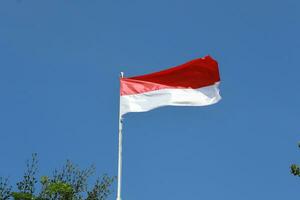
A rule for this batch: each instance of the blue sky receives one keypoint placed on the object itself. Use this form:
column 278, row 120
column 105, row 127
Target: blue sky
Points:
column 59, row 90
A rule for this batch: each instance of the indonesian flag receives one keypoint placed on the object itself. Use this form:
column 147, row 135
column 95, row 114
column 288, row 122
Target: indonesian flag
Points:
column 194, row 83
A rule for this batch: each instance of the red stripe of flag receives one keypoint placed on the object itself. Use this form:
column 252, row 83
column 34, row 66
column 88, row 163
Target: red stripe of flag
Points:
column 195, row 74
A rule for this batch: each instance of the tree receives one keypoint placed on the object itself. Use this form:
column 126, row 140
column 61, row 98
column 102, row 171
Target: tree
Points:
column 69, row 183
column 295, row 169
column 5, row 189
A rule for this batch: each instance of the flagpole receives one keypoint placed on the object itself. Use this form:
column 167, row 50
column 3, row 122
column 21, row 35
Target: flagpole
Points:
column 120, row 152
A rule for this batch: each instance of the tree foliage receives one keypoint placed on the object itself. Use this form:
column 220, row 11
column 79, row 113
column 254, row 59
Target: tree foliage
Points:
column 5, row 189
column 295, row 169
column 69, row 183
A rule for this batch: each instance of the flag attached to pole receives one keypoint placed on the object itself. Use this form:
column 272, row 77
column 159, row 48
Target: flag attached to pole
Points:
column 194, row 83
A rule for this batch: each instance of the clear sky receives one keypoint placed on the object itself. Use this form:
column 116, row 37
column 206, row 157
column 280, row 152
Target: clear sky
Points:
column 59, row 89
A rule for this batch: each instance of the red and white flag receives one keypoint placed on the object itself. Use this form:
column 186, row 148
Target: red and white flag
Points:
column 194, row 83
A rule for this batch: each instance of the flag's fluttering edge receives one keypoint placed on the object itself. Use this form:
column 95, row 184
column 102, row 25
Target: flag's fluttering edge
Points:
column 194, row 83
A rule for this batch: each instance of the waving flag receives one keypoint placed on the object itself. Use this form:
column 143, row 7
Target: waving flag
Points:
column 194, row 83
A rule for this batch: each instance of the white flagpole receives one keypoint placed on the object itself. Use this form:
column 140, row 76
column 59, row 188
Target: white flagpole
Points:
column 120, row 152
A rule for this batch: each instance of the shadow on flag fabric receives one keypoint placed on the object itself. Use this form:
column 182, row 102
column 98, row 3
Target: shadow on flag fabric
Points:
column 194, row 83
